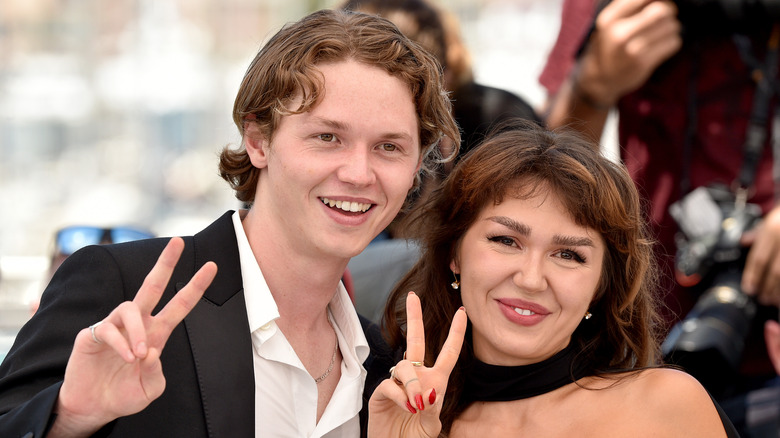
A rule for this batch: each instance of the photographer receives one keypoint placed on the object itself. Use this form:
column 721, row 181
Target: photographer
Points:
column 685, row 79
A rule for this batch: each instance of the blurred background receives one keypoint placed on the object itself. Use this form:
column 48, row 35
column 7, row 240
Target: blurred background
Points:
column 113, row 112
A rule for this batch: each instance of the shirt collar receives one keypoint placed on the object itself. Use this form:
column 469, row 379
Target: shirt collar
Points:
column 262, row 309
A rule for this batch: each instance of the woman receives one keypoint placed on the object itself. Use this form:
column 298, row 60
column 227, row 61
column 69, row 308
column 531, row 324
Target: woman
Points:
column 542, row 240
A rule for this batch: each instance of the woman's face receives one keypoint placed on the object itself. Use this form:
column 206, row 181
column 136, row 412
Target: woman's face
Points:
column 528, row 273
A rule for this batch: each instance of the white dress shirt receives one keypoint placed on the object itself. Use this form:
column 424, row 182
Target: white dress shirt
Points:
column 285, row 393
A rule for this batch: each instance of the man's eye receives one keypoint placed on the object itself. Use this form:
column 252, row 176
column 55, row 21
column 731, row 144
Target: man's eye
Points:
column 389, row 147
column 327, row 137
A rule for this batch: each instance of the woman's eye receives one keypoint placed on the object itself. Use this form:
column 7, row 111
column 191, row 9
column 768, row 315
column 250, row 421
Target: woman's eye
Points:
column 327, row 137
column 503, row 240
column 568, row 254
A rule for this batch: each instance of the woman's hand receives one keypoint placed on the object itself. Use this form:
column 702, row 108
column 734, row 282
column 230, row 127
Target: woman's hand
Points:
column 408, row 404
column 114, row 369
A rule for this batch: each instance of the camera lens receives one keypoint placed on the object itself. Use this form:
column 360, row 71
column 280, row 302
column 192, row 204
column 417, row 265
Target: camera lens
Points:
column 709, row 342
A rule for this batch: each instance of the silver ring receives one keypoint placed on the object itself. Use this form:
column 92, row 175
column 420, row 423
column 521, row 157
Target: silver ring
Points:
column 392, row 376
column 92, row 330
column 411, row 380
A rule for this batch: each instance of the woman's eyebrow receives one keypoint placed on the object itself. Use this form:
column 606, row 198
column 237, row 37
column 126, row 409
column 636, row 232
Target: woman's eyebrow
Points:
column 525, row 230
column 572, row 240
column 512, row 224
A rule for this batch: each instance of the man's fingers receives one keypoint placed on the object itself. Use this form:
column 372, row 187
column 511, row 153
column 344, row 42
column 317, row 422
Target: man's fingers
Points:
column 186, row 299
column 770, row 286
column 450, row 351
column 157, row 279
column 153, row 378
column 753, row 275
column 127, row 317
column 108, row 335
column 619, row 9
column 415, row 331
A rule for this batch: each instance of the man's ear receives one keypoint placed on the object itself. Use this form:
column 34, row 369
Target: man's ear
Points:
column 256, row 144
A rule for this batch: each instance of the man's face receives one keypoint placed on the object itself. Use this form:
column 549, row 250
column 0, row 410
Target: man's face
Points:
column 336, row 176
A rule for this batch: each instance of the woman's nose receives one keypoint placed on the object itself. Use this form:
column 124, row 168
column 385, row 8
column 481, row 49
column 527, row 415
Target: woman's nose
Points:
column 530, row 275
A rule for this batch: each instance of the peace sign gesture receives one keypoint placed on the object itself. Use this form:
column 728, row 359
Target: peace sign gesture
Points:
column 408, row 404
column 114, row 369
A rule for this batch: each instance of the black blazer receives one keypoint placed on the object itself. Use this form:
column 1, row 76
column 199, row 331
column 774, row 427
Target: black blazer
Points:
column 207, row 361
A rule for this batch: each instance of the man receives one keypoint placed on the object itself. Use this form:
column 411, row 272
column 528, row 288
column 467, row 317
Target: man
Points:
column 338, row 113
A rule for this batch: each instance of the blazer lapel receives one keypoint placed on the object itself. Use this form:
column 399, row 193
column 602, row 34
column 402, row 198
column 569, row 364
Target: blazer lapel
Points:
column 218, row 330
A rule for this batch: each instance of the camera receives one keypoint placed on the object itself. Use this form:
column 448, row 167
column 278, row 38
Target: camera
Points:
column 709, row 341
column 726, row 16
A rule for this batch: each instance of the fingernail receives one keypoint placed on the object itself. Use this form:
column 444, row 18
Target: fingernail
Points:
column 462, row 308
column 141, row 349
column 411, row 292
column 409, row 406
column 419, row 401
column 432, row 397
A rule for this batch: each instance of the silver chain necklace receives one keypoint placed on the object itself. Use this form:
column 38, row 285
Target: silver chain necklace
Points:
column 332, row 359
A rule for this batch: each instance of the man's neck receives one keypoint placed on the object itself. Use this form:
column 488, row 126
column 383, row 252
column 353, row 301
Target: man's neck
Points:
column 302, row 285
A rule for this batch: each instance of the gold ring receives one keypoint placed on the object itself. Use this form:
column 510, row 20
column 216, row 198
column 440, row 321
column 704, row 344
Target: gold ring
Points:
column 416, row 364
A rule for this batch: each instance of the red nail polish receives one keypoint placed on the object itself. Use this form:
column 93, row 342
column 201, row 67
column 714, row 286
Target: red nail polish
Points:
column 432, row 397
column 419, row 401
column 409, row 406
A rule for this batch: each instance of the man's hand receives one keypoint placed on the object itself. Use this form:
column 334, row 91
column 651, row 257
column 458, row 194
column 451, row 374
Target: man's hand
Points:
column 761, row 276
column 114, row 369
column 632, row 38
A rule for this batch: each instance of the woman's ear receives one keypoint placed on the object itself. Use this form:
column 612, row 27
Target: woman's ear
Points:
column 454, row 266
column 256, row 144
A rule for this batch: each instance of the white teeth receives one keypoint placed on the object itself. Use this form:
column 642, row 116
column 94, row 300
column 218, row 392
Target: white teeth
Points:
column 524, row 312
column 346, row 205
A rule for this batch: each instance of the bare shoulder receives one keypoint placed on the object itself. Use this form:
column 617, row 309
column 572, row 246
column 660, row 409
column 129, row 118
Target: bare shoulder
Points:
column 671, row 379
column 677, row 399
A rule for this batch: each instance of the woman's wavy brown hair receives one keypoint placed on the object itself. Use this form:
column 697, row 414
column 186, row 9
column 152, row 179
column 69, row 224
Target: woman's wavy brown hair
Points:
column 521, row 160
column 286, row 67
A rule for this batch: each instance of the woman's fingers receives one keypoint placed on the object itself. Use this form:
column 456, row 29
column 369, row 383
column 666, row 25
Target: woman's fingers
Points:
column 415, row 331
column 450, row 351
column 405, row 376
column 389, row 390
column 408, row 372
